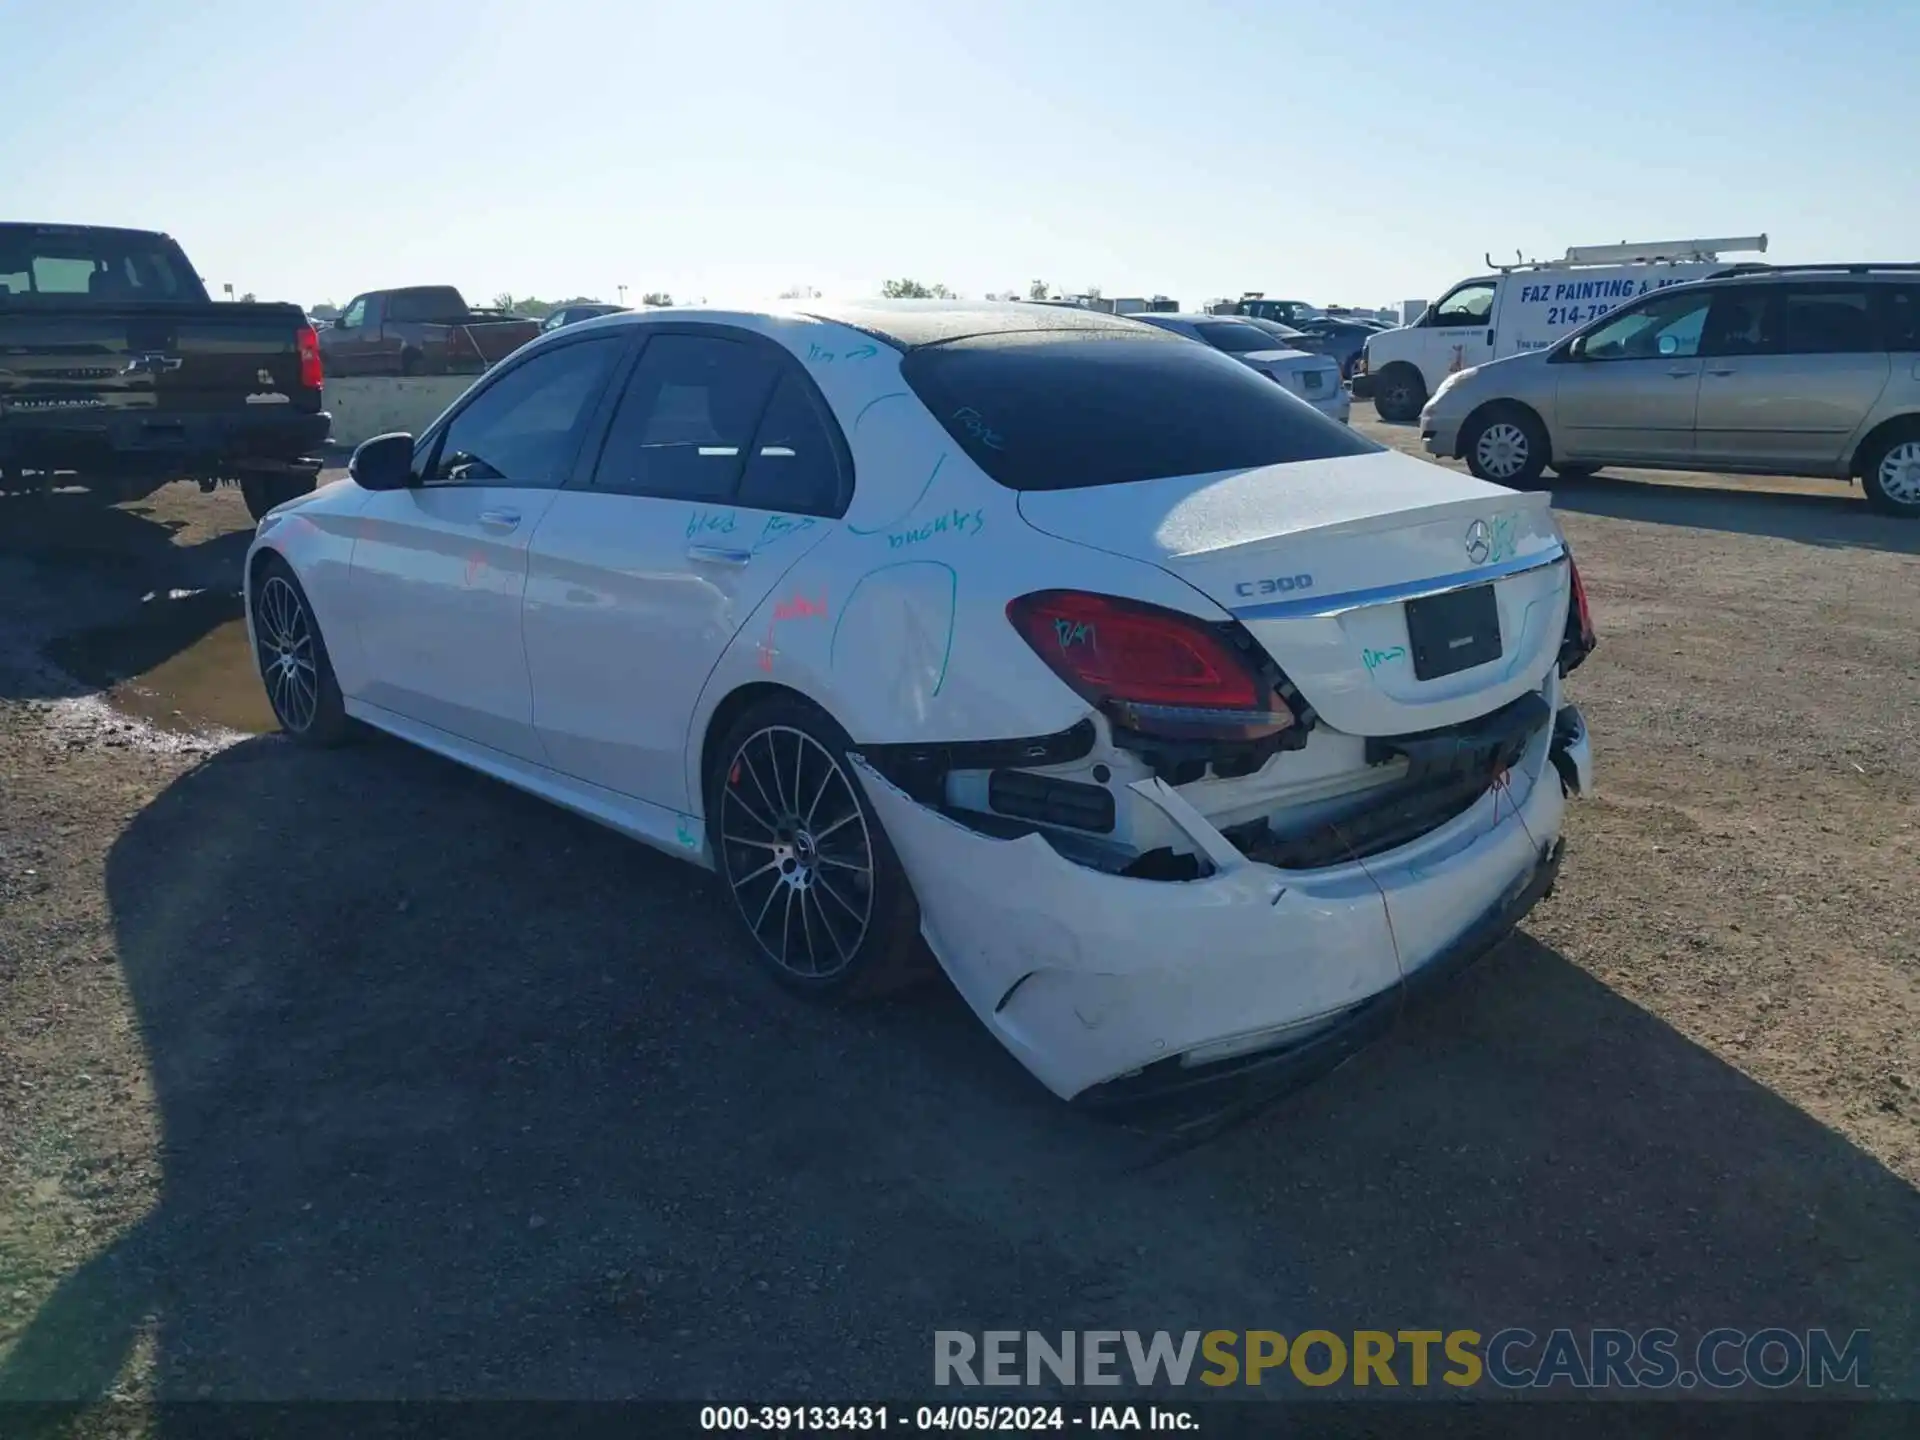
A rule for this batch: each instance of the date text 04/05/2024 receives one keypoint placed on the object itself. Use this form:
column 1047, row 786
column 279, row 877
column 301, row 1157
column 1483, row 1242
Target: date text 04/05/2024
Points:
column 988, row 1419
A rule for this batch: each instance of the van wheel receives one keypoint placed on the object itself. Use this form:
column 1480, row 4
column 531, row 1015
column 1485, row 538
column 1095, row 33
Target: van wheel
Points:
column 1508, row 446
column 1399, row 393
column 1890, row 474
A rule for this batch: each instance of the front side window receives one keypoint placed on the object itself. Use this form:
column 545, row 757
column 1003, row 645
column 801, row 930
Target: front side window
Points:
column 355, row 316
column 1470, row 305
column 686, row 422
column 524, row 428
column 1667, row 327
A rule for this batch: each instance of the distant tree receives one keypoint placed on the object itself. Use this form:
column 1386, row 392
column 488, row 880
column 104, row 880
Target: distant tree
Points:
column 326, row 311
column 1092, row 292
column 504, row 300
column 656, row 297
column 914, row 290
column 800, row 292
column 1038, row 290
column 247, row 299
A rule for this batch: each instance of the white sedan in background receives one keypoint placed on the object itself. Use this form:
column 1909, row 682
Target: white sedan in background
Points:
column 1314, row 378
column 1188, row 727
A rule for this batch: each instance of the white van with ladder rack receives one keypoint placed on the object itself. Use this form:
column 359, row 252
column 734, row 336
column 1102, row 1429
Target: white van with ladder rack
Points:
column 1527, row 305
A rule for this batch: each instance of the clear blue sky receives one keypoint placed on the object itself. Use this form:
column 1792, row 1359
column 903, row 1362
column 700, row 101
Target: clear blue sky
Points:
column 1357, row 153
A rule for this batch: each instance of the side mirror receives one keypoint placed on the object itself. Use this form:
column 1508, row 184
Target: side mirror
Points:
column 1578, row 349
column 383, row 463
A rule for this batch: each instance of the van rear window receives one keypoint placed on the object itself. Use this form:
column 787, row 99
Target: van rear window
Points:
column 1058, row 410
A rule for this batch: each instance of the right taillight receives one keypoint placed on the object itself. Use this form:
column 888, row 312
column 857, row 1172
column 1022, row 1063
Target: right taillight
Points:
column 1579, row 639
column 1152, row 670
column 308, row 345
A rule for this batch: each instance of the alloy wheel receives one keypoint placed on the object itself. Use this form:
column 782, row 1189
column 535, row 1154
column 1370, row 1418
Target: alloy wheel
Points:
column 1502, row 450
column 1899, row 473
column 283, row 640
column 798, row 854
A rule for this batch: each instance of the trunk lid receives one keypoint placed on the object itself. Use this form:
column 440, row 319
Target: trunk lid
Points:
column 1311, row 377
column 1320, row 560
column 172, row 357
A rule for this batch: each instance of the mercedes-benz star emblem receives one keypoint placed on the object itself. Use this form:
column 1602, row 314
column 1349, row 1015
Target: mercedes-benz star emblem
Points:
column 1479, row 542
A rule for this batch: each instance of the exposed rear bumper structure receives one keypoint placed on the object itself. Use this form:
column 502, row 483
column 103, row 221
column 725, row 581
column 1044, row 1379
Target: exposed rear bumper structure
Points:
column 1111, row 988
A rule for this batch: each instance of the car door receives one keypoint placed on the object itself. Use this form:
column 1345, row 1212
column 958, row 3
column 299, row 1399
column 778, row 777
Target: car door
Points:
column 439, row 569
column 1627, row 389
column 721, row 465
column 1790, row 372
column 1457, row 332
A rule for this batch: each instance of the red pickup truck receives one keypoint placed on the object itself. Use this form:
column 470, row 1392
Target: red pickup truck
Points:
column 421, row 330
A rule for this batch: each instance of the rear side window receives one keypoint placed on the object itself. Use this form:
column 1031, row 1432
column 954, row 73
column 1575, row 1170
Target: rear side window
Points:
column 1900, row 316
column 1822, row 320
column 687, row 420
column 795, row 464
column 1050, row 410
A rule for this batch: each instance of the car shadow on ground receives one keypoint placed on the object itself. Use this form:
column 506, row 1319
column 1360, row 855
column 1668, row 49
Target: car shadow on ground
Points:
column 1842, row 519
column 99, row 593
column 463, row 1096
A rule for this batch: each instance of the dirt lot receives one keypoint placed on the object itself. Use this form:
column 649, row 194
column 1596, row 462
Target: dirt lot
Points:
column 353, row 1074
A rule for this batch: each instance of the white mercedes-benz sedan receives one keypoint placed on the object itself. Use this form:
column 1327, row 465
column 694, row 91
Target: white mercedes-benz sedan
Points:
column 1190, row 729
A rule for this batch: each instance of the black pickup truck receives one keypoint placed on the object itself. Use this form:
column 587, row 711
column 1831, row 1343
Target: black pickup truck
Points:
column 118, row 372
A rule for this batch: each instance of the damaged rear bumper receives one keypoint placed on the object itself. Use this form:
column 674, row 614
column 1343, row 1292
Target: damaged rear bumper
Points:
column 1104, row 985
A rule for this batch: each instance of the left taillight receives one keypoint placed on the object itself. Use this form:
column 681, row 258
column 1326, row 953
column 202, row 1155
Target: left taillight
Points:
column 1580, row 638
column 1152, row 670
column 311, row 371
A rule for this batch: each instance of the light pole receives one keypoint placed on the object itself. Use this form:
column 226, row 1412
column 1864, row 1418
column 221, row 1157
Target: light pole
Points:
column 623, row 293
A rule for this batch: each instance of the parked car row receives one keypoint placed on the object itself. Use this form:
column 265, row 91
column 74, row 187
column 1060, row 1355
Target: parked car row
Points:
column 1187, row 748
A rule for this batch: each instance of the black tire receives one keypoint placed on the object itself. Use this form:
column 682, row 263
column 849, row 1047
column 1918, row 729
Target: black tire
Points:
column 263, row 492
column 1890, row 472
column 862, row 935
column 305, row 697
column 1575, row 472
column 1506, row 445
column 1399, row 393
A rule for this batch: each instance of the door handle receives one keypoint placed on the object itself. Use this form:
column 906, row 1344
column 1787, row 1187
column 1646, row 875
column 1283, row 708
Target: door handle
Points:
column 500, row 519
column 718, row 555
column 1722, row 373
column 1682, row 374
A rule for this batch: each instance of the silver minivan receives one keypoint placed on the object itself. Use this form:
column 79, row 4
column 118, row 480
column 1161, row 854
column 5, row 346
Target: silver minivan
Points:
column 1787, row 370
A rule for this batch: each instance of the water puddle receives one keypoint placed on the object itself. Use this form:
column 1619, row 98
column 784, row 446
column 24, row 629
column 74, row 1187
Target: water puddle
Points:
column 182, row 664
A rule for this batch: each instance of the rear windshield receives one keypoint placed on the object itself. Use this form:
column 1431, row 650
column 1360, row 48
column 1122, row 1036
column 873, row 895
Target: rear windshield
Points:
column 75, row 263
column 1236, row 337
column 1054, row 410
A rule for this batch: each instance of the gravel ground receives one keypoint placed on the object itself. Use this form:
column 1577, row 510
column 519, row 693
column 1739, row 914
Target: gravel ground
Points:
column 353, row 1074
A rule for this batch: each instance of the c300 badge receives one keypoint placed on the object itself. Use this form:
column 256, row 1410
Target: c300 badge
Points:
column 1275, row 585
